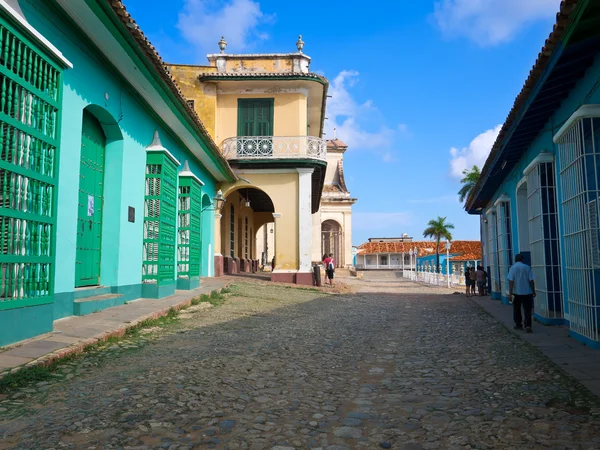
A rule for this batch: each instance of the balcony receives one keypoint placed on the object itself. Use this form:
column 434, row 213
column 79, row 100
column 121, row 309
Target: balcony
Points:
column 274, row 148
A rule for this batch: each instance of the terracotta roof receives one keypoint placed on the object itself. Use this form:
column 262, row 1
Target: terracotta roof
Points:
column 424, row 247
column 335, row 143
column 467, row 257
column 563, row 18
column 159, row 66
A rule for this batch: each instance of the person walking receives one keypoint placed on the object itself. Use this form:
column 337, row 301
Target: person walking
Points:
column 480, row 275
column 521, row 288
column 329, row 268
column 468, row 281
column 473, row 278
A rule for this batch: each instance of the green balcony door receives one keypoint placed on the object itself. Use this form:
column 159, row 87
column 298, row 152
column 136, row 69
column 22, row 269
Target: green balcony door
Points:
column 89, row 217
column 255, row 117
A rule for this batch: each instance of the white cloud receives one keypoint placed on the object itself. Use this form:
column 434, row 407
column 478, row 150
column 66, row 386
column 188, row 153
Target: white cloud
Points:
column 347, row 116
column 490, row 22
column 380, row 220
column 239, row 21
column 475, row 154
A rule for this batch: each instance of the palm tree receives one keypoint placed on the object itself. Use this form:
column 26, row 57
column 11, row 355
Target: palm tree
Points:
column 468, row 182
column 438, row 229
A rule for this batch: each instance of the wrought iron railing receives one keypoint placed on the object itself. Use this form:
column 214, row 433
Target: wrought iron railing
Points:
column 275, row 147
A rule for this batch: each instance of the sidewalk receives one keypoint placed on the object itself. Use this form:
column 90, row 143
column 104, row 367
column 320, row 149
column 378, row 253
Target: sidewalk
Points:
column 73, row 334
column 576, row 359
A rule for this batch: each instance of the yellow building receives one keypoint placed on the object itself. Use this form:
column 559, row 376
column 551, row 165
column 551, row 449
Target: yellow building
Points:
column 266, row 113
column 332, row 224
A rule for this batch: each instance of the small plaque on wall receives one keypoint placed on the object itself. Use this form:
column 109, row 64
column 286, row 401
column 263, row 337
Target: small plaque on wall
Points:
column 131, row 214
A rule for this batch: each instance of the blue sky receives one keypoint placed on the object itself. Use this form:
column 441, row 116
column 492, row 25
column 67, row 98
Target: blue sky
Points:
column 419, row 88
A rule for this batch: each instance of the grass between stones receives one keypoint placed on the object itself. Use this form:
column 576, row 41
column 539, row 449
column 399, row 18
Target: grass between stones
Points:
column 28, row 375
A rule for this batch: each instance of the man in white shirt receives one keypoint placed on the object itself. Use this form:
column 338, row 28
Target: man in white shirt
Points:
column 521, row 291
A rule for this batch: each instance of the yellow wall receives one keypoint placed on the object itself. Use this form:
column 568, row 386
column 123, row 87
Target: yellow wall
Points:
column 282, row 188
column 289, row 116
column 203, row 94
column 259, row 65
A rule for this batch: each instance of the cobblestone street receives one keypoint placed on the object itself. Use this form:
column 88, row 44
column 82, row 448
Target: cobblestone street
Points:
column 392, row 365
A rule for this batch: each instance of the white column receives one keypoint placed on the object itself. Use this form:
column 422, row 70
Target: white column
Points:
column 305, row 219
column 377, row 261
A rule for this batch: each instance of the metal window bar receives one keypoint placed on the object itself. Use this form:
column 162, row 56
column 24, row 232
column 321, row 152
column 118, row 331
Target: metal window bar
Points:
column 189, row 230
column 579, row 157
column 493, row 249
column 543, row 240
column 29, row 116
column 160, row 219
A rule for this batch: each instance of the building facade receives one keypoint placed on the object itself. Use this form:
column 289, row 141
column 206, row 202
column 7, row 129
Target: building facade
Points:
column 266, row 113
column 407, row 255
column 538, row 192
column 332, row 224
column 107, row 175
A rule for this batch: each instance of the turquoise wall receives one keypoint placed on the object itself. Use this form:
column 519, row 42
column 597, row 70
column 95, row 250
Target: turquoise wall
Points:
column 430, row 259
column 129, row 127
column 585, row 92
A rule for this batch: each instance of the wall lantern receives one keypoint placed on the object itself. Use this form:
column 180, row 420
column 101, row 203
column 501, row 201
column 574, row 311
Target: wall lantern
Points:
column 217, row 202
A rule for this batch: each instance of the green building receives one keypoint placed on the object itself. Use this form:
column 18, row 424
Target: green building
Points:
column 107, row 175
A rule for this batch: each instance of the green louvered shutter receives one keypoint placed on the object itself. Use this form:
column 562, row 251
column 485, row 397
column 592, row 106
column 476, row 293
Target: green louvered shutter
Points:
column 30, row 98
column 255, row 117
column 160, row 211
column 189, row 244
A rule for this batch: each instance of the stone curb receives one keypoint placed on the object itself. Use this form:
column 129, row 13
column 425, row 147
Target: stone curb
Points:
column 79, row 347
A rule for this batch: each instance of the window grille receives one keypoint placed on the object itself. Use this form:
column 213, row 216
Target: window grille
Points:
column 189, row 246
column 30, row 88
column 543, row 240
column 493, row 251
column 505, row 257
column 579, row 161
column 232, row 232
column 160, row 206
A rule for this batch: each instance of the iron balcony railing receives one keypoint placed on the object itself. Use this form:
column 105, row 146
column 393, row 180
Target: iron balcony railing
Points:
column 275, row 147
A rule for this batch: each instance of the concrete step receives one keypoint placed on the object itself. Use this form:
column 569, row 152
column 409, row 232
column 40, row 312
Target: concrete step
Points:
column 95, row 303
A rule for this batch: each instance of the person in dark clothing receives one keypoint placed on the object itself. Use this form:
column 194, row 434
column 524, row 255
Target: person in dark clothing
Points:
column 522, row 292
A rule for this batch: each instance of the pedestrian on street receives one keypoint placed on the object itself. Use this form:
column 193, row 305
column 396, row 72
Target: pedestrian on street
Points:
column 473, row 278
column 468, row 281
column 329, row 268
column 481, row 280
column 521, row 292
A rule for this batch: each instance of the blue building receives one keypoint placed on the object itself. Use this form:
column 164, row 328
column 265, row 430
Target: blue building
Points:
column 539, row 190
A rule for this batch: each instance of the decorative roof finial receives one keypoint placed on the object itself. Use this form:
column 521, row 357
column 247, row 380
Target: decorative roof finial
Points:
column 222, row 44
column 155, row 144
column 186, row 166
column 299, row 44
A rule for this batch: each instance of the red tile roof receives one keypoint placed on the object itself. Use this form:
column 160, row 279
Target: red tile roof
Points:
column 335, row 143
column 424, row 248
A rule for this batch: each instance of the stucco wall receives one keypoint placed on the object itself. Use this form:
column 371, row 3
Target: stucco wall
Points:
column 204, row 94
column 289, row 116
column 92, row 82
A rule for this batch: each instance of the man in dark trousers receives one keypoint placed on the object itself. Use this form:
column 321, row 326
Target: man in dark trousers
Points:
column 521, row 291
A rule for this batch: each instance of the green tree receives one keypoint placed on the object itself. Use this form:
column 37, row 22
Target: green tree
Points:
column 468, row 182
column 438, row 229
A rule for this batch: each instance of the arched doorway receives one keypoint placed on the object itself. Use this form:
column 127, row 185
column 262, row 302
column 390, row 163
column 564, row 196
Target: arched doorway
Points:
column 246, row 209
column 91, row 195
column 331, row 241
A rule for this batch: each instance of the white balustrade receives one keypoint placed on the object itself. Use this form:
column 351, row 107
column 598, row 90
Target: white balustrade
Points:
column 274, row 147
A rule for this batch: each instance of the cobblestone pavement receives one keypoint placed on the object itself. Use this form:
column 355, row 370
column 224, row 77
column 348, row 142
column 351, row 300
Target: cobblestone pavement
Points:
column 393, row 365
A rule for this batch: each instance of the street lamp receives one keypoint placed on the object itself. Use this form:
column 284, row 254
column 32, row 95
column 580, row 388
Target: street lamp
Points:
column 217, row 203
column 448, row 244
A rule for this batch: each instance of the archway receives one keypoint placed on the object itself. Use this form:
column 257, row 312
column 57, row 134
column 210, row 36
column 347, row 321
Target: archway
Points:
column 331, row 241
column 246, row 209
column 100, row 182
